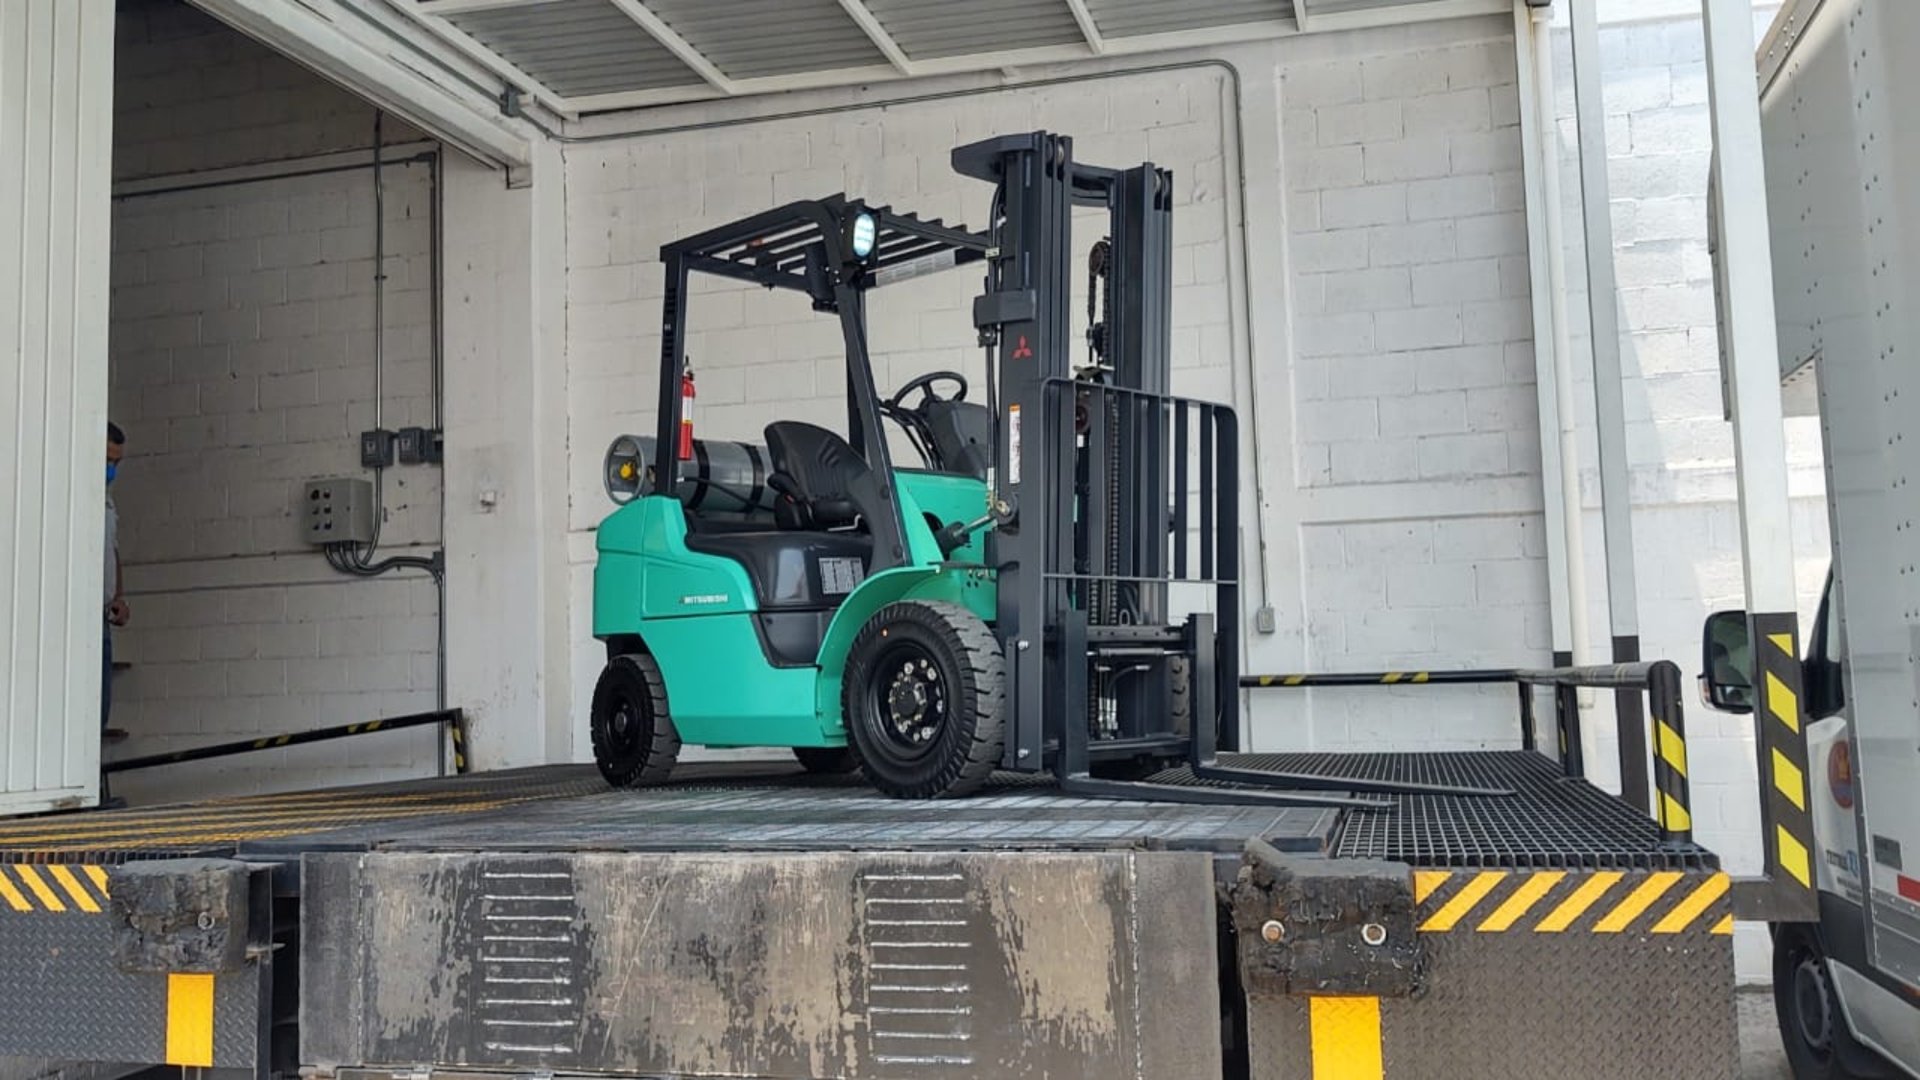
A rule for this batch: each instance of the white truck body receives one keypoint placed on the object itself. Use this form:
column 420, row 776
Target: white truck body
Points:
column 1840, row 104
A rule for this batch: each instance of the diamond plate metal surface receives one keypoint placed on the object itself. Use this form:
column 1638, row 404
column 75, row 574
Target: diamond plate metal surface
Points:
column 1525, row 1005
column 61, row 997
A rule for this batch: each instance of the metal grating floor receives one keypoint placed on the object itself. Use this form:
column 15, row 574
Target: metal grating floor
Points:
column 787, row 811
column 221, row 827
column 1549, row 821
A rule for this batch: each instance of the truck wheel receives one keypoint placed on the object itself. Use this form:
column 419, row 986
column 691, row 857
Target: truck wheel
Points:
column 827, row 760
column 1812, row 1027
column 634, row 740
column 925, row 701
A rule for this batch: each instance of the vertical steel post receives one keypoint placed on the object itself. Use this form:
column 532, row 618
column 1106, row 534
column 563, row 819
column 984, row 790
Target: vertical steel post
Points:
column 1760, row 463
column 1616, row 498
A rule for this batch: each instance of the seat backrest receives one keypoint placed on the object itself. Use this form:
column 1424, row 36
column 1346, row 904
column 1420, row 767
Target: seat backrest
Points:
column 835, row 481
column 962, row 433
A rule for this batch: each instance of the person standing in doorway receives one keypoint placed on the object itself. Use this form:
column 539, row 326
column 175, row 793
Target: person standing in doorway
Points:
column 116, row 611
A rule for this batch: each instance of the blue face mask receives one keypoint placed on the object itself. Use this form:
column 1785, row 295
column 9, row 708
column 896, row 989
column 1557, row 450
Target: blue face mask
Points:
column 112, row 467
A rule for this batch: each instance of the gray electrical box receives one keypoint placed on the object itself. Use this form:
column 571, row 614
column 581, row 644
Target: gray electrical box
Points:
column 339, row 511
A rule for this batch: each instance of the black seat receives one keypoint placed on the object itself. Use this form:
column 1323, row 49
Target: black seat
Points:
column 823, row 482
column 962, row 434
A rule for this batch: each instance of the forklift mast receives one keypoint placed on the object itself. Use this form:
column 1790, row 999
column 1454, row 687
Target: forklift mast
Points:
column 1100, row 515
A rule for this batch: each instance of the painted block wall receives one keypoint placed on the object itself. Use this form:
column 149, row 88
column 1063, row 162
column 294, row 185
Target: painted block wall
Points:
column 241, row 347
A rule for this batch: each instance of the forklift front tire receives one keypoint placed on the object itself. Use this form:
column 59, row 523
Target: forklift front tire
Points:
column 925, row 700
column 634, row 740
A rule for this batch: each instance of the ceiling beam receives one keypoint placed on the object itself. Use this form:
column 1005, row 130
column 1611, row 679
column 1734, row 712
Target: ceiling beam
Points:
column 1088, row 28
column 859, row 12
column 677, row 45
column 1300, row 20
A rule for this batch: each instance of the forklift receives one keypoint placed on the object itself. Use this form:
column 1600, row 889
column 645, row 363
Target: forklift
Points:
column 1050, row 588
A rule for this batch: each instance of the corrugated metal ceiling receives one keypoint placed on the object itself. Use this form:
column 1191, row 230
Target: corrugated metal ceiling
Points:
column 581, row 56
column 577, row 47
column 927, row 29
column 749, row 39
column 1131, row 18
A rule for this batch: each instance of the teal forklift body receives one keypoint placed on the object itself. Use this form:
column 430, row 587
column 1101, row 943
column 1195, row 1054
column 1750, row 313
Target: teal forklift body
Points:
column 694, row 612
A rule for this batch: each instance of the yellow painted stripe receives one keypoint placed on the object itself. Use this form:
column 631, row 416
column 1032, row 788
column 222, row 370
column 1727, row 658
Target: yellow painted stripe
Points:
column 11, row 893
column 1346, row 1038
column 1296, row 680
column 1463, row 901
column 1793, row 855
column 1421, row 677
column 1783, row 642
column 1425, row 881
column 1696, row 903
column 99, row 879
column 1673, row 749
column 1782, row 702
column 1637, row 901
column 81, row 897
column 48, row 898
column 1391, row 677
column 1584, row 897
column 1672, row 814
column 1724, row 926
column 1789, row 780
column 190, row 1020
column 1522, row 900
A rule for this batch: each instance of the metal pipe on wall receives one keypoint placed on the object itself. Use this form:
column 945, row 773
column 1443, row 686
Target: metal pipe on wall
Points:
column 1616, row 497
column 1553, row 347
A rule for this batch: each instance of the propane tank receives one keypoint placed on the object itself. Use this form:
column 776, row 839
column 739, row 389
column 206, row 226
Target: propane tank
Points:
column 686, row 413
column 717, row 476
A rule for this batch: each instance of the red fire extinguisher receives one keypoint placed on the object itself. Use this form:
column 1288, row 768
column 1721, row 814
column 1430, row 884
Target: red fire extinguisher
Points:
column 686, row 414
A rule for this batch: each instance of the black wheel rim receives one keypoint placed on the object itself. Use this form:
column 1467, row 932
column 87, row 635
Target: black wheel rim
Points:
column 1812, row 1005
column 909, row 700
column 625, row 723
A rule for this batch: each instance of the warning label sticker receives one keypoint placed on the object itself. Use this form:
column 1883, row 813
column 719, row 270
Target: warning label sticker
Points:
column 1013, row 444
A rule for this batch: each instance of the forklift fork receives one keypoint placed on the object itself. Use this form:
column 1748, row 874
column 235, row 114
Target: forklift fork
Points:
column 1268, row 788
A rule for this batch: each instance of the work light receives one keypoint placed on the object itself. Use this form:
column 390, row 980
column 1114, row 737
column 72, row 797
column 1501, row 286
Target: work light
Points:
column 865, row 232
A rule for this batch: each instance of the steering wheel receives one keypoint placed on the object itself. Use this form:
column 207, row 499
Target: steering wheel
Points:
column 925, row 384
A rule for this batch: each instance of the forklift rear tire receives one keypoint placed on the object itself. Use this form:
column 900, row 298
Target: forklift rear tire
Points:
column 827, row 760
column 634, row 740
column 925, row 700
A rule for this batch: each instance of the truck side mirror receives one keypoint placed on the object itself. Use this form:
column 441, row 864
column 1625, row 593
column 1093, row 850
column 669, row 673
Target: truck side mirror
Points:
column 1727, row 656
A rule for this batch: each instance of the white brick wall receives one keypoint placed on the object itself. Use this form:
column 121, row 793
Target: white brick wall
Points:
column 241, row 352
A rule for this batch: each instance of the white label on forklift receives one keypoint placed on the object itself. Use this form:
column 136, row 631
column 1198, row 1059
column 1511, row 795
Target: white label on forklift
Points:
column 839, row 576
column 1013, row 444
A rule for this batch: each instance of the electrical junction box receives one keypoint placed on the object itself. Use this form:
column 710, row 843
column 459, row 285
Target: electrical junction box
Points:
column 376, row 448
column 410, row 445
column 339, row 511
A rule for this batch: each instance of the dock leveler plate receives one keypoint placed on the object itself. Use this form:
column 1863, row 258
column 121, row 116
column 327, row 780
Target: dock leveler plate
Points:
column 801, row 965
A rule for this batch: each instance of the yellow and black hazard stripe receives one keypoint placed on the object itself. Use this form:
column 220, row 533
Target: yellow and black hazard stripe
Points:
column 457, row 732
column 53, row 889
column 1673, row 806
column 1381, row 678
column 1783, row 749
column 1660, row 902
